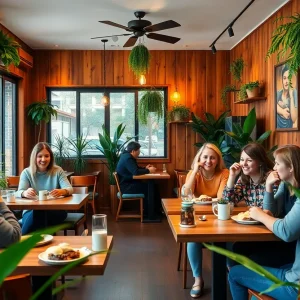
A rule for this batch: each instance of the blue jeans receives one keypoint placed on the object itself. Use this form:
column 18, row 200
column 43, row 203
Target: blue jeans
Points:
column 194, row 251
column 240, row 279
column 38, row 219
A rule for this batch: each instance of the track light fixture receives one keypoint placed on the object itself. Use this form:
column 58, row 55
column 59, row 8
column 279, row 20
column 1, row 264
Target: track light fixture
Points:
column 229, row 28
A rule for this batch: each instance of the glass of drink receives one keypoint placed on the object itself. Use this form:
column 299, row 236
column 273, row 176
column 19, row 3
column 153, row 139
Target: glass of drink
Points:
column 99, row 232
column 186, row 194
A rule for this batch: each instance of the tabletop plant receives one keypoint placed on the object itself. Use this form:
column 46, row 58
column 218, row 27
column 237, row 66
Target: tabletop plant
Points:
column 151, row 101
column 286, row 43
column 247, row 86
column 139, row 60
column 9, row 50
column 179, row 112
column 40, row 112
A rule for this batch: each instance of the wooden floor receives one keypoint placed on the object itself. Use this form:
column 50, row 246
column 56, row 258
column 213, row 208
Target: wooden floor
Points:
column 142, row 266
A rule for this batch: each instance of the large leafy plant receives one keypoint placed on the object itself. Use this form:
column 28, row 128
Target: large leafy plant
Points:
column 286, row 41
column 112, row 149
column 9, row 50
column 41, row 112
column 139, row 60
column 212, row 130
column 60, row 150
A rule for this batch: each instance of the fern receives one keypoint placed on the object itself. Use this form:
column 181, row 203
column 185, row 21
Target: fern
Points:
column 139, row 60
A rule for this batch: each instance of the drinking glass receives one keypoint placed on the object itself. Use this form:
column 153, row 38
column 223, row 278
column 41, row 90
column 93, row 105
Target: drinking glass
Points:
column 99, row 232
column 186, row 194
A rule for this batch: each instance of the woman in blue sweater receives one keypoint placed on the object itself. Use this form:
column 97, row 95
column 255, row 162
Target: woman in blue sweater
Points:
column 287, row 205
column 42, row 174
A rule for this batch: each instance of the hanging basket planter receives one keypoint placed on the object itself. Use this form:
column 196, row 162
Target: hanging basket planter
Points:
column 139, row 60
column 151, row 102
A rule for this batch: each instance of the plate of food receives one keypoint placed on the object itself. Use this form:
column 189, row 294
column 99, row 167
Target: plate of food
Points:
column 244, row 218
column 63, row 254
column 47, row 238
column 203, row 199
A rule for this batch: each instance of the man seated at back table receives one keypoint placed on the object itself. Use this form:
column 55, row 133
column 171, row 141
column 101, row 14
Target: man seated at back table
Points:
column 127, row 168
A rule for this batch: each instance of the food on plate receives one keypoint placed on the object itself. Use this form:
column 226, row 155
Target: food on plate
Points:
column 62, row 252
column 204, row 198
column 244, row 216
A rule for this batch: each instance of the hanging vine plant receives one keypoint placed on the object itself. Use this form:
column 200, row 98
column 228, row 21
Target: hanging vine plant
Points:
column 286, row 39
column 139, row 60
column 8, row 50
column 151, row 101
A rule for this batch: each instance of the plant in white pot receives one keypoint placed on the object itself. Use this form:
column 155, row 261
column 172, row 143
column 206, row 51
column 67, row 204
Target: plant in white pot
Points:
column 250, row 90
column 179, row 112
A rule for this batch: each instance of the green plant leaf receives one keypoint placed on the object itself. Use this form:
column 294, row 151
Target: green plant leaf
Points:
column 264, row 136
column 250, row 122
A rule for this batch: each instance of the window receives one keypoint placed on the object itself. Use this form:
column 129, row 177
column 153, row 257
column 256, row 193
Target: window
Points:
column 80, row 112
column 8, row 125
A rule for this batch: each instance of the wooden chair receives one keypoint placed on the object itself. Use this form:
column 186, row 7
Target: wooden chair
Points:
column 252, row 293
column 179, row 172
column 88, row 181
column 13, row 182
column 77, row 219
column 16, row 288
column 128, row 197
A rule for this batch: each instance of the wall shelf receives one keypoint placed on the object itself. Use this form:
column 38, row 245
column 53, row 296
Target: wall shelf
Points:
column 250, row 100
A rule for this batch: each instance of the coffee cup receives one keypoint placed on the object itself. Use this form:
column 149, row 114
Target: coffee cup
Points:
column 222, row 211
column 43, row 195
column 10, row 196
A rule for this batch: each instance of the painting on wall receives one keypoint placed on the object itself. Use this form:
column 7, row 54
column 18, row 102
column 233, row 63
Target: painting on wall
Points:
column 286, row 99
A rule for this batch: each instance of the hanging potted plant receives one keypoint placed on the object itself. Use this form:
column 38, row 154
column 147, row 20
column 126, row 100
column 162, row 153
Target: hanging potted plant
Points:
column 151, row 101
column 8, row 50
column 139, row 60
column 178, row 113
column 41, row 112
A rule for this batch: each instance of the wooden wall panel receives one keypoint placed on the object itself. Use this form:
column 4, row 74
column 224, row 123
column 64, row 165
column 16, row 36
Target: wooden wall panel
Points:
column 254, row 49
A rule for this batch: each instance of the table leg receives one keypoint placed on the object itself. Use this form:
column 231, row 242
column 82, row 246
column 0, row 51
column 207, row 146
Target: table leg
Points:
column 152, row 217
column 219, row 278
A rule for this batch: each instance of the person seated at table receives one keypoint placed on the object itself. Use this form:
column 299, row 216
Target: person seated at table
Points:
column 127, row 168
column 207, row 177
column 42, row 174
column 254, row 167
column 10, row 230
column 287, row 228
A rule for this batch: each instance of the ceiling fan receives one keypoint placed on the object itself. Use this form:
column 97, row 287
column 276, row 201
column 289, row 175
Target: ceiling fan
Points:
column 139, row 28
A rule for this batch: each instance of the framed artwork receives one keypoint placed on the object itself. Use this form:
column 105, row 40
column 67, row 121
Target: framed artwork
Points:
column 286, row 99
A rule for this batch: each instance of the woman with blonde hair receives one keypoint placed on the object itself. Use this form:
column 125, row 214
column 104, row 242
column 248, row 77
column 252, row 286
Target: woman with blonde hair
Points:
column 42, row 174
column 207, row 177
column 285, row 206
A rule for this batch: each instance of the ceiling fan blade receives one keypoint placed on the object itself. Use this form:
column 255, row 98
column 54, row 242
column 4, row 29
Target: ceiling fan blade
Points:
column 100, row 37
column 162, row 26
column 163, row 38
column 115, row 25
column 131, row 41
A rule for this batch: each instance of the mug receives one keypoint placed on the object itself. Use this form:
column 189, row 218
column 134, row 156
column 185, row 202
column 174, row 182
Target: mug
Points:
column 230, row 203
column 8, row 196
column 223, row 211
column 43, row 195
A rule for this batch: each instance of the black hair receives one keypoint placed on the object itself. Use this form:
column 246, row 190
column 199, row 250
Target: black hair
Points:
column 284, row 69
column 133, row 146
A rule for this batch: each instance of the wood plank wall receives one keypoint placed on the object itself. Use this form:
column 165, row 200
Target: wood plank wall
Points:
column 200, row 78
column 253, row 49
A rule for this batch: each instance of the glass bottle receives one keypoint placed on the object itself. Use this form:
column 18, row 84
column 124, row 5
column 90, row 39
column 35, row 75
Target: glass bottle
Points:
column 187, row 214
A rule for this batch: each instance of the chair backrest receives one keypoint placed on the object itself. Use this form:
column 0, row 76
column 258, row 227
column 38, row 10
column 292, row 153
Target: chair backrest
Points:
column 85, row 181
column 118, row 183
column 179, row 172
column 80, row 190
column 13, row 181
column 181, row 180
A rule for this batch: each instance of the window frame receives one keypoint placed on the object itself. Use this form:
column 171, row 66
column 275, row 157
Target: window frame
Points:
column 109, row 90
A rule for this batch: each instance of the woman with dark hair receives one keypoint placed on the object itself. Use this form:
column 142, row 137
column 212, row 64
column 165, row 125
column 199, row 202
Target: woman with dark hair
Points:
column 42, row 174
column 287, row 227
column 254, row 167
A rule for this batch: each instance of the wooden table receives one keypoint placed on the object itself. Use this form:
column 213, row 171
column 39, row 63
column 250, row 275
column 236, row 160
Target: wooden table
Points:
column 74, row 202
column 172, row 206
column 160, row 175
column 218, row 232
column 95, row 265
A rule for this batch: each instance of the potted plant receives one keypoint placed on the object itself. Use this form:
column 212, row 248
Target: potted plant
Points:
column 112, row 149
column 8, row 50
column 236, row 69
column 178, row 112
column 227, row 88
column 151, row 101
column 139, row 60
column 79, row 146
column 286, row 40
column 41, row 112
column 61, row 153
column 250, row 90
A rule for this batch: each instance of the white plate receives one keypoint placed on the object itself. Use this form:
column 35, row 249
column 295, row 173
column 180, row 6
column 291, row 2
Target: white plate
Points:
column 84, row 252
column 47, row 238
column 206, row 202
column 245, row 222
column 187, row 226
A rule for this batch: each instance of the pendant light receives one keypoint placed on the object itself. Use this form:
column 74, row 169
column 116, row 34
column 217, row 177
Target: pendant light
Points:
column 142, row 80
column 105, row 98
column 175, row 96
